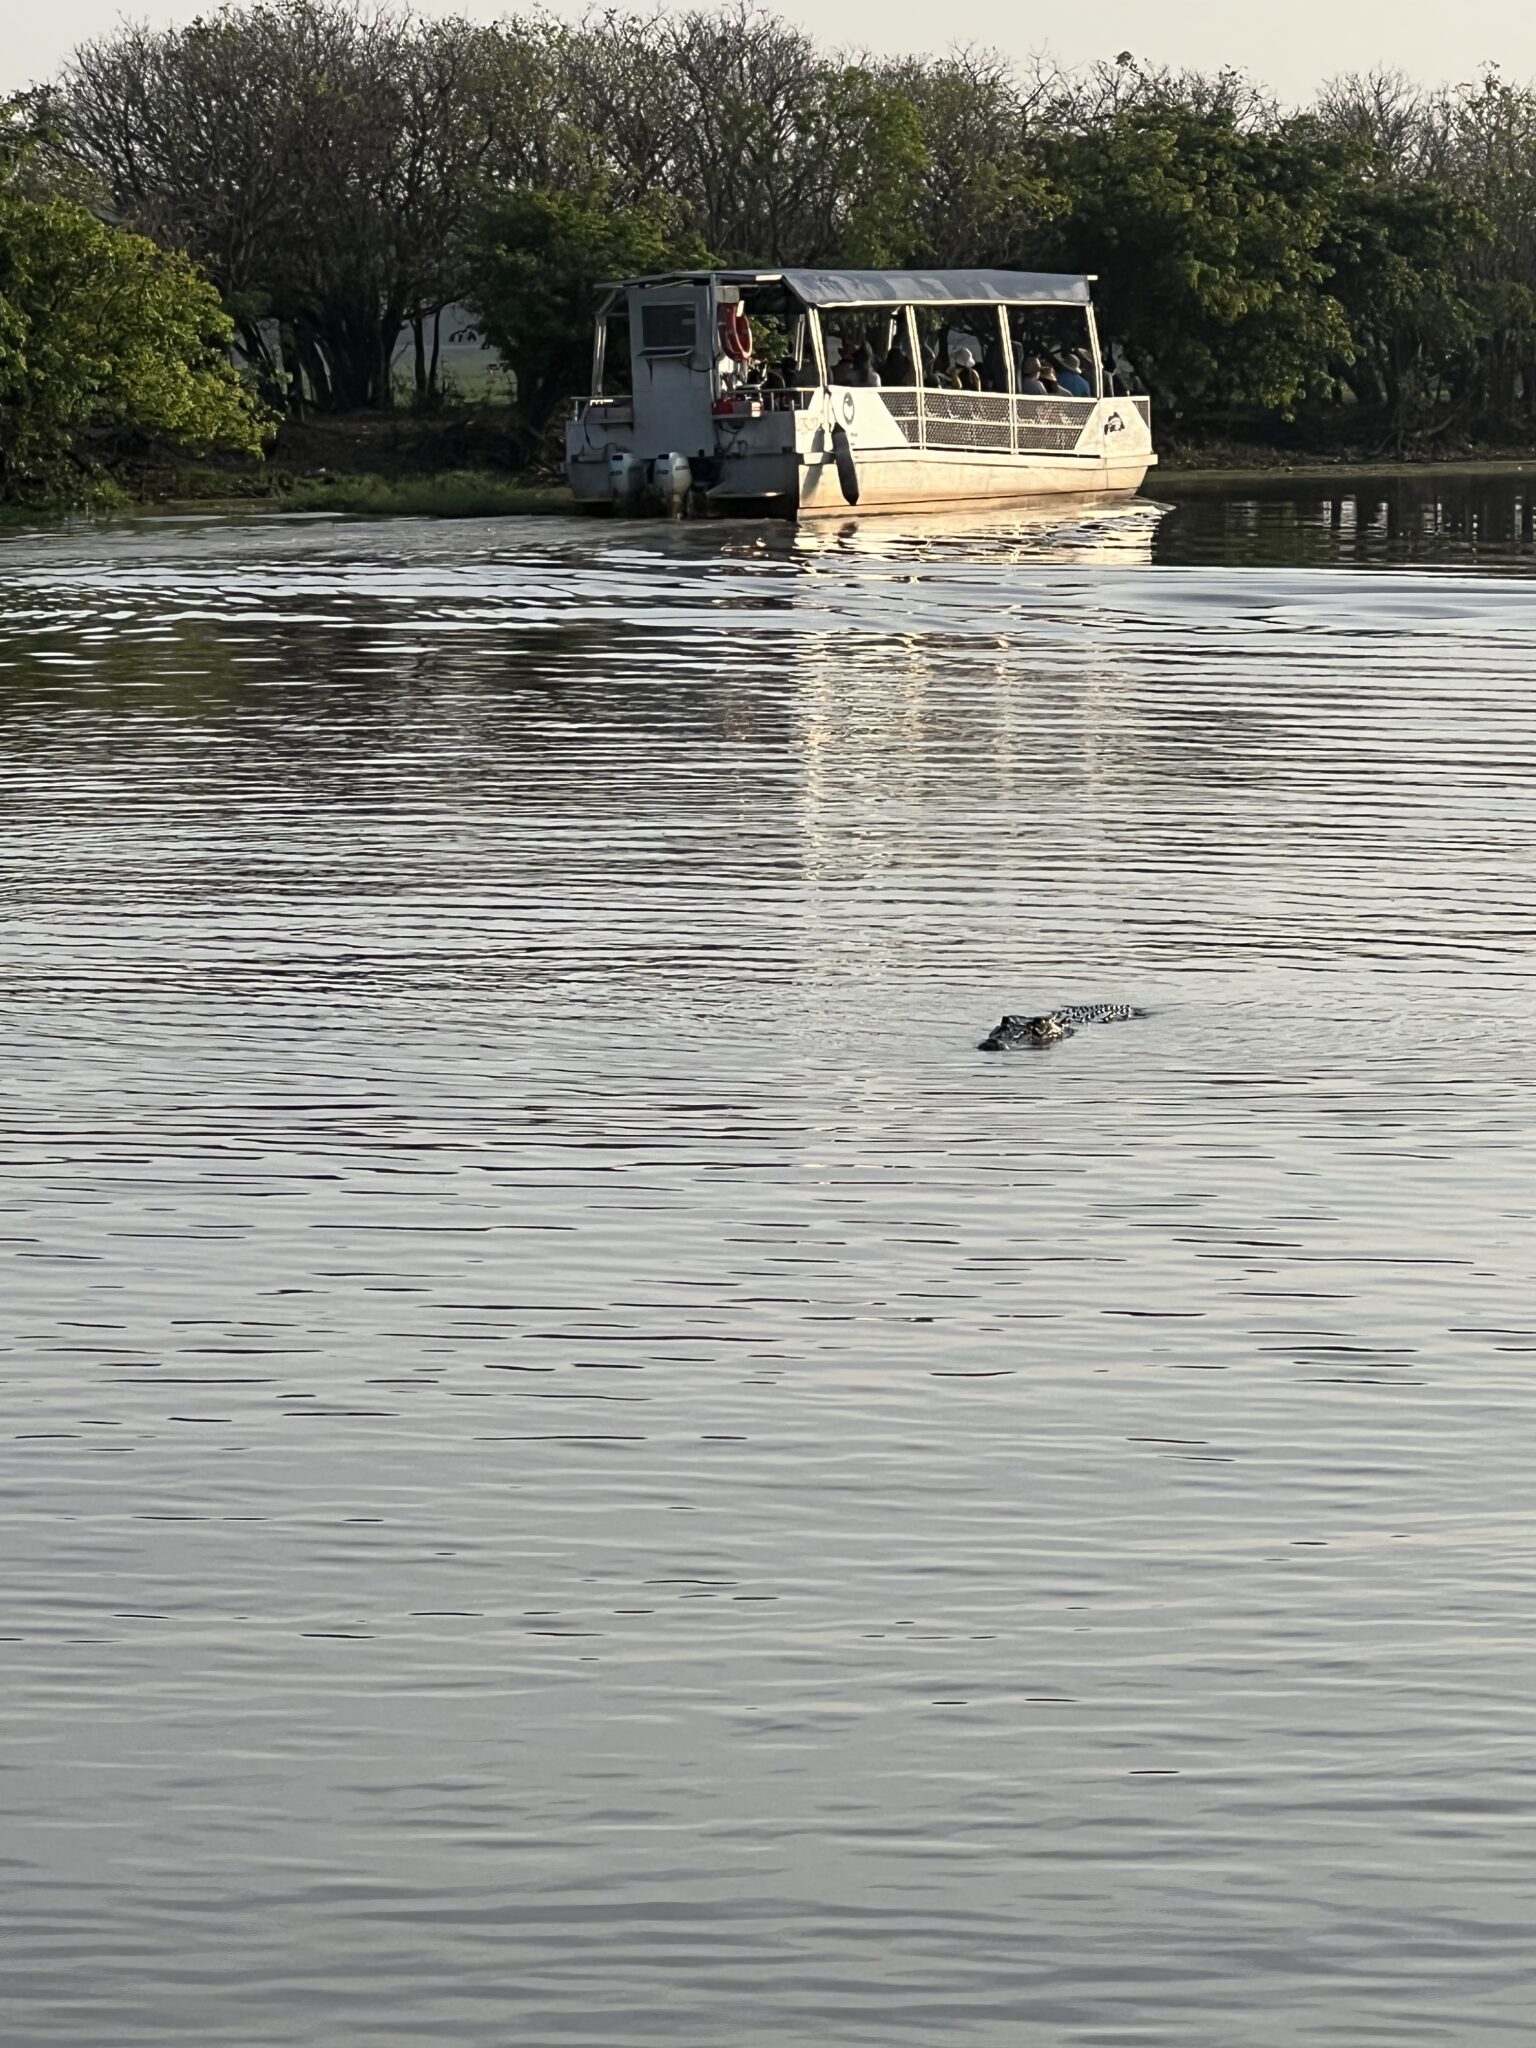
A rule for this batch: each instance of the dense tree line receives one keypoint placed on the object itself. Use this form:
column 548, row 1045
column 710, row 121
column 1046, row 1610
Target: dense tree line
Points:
column 343, row 171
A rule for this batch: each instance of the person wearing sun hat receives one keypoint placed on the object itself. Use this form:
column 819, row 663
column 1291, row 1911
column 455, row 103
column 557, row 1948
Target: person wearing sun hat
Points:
column 1029, row 384
column 967, row 377
column 1071, row 379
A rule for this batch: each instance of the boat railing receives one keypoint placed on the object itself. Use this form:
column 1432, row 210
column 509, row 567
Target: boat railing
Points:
column 988, row 421
column 605, row 412
column 747, row 400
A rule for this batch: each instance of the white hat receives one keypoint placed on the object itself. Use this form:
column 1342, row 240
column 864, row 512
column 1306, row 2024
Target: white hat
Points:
column 965, row 359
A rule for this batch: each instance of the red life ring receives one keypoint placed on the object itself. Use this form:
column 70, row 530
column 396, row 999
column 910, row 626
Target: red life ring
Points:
column 735, row 334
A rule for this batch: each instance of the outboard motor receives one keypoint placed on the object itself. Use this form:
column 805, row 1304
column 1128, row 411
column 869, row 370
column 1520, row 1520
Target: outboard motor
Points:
column 672, row 476
column 626, row 480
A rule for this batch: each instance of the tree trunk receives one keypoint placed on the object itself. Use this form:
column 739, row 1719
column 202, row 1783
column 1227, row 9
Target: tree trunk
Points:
column 293, row 371
column 386, row 331
column 419, row 337
column 351, row 346
column 314, row 364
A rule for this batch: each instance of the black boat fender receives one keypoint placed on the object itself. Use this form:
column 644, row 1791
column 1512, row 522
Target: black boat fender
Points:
column 847, row 470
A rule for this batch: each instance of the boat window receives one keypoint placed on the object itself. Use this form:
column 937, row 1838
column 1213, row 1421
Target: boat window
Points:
column 668, row 327
column 775, row 358
column 963, row 349
column 618, row 370
column 895, row 358
column 1055, row 338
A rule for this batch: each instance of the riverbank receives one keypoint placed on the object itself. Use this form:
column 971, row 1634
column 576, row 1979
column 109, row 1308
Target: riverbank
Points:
column 1221, row 463
column 466, row 464
column 1188, row 470
column 470, row 463
column 484, row 494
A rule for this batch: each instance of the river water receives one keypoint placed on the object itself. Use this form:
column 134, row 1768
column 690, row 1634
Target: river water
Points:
column 577, row 1467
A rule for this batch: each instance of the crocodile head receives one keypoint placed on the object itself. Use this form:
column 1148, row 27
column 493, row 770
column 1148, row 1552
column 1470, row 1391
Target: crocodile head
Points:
column 1025, row 1031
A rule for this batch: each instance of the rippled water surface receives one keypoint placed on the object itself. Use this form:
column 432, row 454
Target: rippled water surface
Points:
column 577, row 1467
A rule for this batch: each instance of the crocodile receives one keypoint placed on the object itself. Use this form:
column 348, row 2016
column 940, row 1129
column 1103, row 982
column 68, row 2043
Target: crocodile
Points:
column 1054, row 1024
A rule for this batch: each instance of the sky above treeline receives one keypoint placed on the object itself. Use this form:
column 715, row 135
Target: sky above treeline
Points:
column 1292, row 49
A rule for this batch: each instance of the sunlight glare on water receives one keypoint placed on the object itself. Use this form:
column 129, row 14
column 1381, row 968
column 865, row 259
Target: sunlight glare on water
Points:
column 579, row 1467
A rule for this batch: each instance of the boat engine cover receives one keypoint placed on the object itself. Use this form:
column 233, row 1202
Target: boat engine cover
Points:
column 626, row 476
column 672, row 476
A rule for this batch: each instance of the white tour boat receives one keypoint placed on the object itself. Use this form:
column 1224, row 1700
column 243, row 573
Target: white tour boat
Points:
column 808, row 391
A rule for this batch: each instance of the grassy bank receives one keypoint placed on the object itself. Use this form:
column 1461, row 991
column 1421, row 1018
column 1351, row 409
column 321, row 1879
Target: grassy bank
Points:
column 468, row 463
column 455, row 494
column 462, row 464
column 445, row 494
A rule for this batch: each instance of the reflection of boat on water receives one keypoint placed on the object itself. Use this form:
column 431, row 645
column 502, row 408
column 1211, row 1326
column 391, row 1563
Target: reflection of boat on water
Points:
column 730, row 399
column 1111, row 529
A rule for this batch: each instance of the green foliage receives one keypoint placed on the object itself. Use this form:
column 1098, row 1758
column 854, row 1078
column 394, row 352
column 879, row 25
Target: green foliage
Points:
column 1209, row 242
column 101, row 330
column 866, row 140
column 344, row 169
column 984, row 196
column 1392, row 251
column 540, row 260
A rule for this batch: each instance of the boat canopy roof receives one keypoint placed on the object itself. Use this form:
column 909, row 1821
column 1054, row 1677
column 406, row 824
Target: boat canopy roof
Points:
column 849, row 288
column 824, row 288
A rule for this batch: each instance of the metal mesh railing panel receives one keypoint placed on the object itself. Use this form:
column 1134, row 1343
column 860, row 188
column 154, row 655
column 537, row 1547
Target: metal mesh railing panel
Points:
column 1051, row 426
column 968, row 419
column 987, row 421
column 902, row 407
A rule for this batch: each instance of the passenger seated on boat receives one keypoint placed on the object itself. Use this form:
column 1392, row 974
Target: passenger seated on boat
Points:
column 864, row 371
column 898, row 365
column 1048, row 379
column 965, row 374
column 1071, row 379
column 1029, row 383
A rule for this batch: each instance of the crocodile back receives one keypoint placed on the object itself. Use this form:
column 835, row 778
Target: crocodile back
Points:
column 1096, row 1013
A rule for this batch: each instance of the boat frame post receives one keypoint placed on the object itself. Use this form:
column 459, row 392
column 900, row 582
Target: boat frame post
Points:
column 1093, row 344
column 600, row 342
column 914, row 351
column 1013, row 410
column 818, row 346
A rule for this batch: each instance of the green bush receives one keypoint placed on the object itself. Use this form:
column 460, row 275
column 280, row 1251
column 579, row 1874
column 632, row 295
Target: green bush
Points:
column 101, row 330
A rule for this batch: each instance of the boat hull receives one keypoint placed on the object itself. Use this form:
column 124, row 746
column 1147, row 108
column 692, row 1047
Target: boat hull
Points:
column 900, row 450
column 907, row 481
